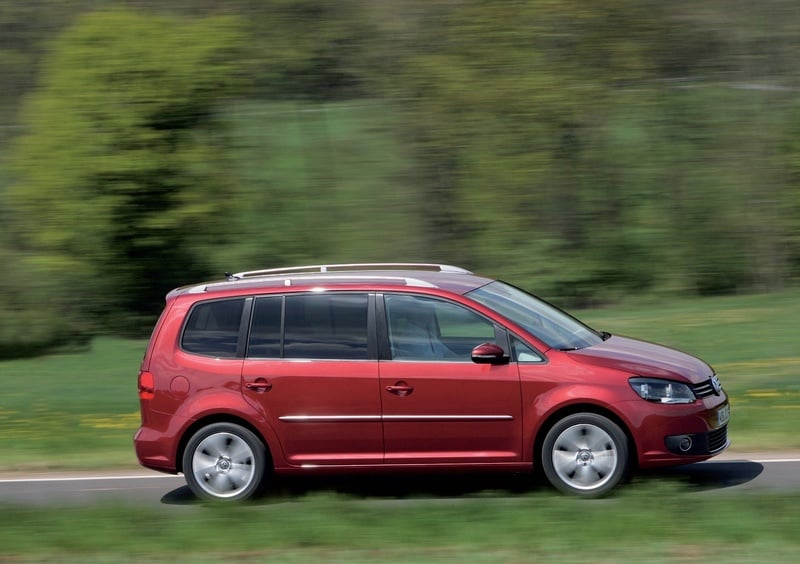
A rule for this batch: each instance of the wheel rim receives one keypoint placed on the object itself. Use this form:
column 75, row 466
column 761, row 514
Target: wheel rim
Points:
column 585, row 456
column 223, row 465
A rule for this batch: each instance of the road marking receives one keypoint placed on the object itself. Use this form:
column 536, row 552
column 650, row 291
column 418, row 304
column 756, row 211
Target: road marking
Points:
column 86, row 478
column 765, row 460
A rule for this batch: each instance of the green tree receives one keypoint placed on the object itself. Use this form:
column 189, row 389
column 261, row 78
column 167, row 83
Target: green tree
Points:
column 507, row 104
column 307, row 49
column 559, row 145
column 121, row 175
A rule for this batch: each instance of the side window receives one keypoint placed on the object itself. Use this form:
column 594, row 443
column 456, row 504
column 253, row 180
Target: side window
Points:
column 265, row 333
column 523, row 352
column 330, row 326
column 423, row 328
column 213, row 328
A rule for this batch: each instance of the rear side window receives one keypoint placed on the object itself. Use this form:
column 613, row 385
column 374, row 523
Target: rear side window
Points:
column 213, row 328
column 326, row 327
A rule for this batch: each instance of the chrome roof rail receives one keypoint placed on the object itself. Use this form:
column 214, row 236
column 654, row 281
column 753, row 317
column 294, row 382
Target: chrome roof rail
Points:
column 326, row 268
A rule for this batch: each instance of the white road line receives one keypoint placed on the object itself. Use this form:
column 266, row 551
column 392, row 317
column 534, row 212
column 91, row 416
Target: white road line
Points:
column 86, row 478
column 765, row 460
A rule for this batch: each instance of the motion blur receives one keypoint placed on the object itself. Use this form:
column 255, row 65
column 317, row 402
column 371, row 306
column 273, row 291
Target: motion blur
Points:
column 589, row 151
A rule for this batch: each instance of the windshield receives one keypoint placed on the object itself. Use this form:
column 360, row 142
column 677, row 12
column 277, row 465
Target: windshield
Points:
column 549, row 324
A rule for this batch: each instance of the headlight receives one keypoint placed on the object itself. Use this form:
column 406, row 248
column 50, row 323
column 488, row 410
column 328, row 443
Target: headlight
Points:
column 662, row 391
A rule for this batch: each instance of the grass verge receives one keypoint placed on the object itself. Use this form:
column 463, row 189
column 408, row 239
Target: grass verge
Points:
column 657, row 523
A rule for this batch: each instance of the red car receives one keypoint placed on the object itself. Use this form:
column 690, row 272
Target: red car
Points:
column 408, row 367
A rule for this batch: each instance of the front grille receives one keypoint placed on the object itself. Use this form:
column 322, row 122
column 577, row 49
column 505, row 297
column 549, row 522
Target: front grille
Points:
column 717, row 439
column 703, row 389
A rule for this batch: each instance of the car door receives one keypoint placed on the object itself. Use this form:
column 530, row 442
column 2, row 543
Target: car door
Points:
column 312, row 367
column 438, row 405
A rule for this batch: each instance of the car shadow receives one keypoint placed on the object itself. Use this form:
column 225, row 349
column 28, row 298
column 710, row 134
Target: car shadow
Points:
column 383, row 486
column 700, row 476
column 403, row 486
column 707, row 476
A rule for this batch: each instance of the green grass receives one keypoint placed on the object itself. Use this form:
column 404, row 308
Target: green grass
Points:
column 71, row 411
column 79, row 411
column 681, row 527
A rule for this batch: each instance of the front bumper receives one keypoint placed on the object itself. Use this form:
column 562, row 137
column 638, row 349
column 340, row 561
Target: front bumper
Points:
column 681, row 434
column 709, row 443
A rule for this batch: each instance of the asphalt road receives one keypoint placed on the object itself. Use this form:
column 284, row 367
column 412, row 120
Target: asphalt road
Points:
column 729, row 473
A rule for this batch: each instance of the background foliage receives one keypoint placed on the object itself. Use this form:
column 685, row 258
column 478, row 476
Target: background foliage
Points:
column 587, row 151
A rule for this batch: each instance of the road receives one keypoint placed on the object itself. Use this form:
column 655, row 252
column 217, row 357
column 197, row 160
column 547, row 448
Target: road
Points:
column 730, row 472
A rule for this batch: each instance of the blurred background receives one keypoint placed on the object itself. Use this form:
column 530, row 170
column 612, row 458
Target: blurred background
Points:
column 587, row 151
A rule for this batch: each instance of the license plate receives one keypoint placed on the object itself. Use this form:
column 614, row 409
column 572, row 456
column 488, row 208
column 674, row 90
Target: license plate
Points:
column 723, row 415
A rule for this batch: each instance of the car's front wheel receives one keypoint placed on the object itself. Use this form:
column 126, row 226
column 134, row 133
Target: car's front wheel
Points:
column 585, row 454
column 224, row 462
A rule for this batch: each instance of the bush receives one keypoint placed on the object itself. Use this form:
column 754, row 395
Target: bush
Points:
column 39, row 312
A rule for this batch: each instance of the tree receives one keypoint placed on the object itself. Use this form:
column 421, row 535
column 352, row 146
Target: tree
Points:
column 308, row 49
column 507, row 103
column 121, row 174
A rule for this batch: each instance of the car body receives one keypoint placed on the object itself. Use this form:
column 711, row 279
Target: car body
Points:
column 408, row 367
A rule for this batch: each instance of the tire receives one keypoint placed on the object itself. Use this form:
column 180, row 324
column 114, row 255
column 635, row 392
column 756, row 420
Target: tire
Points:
column 585, row 454
column 224, row 462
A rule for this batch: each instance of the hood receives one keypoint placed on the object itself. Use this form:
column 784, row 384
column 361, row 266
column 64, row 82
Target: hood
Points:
column 644, row 359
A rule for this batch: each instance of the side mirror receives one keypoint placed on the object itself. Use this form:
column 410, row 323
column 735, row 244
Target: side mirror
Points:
column 489, row 353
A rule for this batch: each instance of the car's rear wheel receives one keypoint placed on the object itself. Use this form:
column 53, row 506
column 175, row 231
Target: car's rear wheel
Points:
column 224, row 462
column 585, row 454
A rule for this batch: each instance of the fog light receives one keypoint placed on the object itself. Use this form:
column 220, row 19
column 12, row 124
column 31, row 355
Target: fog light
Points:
column 686, row 444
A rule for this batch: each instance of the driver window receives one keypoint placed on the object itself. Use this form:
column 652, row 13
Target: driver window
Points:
column 422, row 328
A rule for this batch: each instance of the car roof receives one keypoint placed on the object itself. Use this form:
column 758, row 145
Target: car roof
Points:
column 421, row 275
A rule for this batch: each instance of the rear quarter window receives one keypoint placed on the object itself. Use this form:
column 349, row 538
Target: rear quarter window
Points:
column 212, row 328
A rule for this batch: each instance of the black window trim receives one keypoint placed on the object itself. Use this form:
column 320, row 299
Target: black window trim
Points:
column 378, row 346
column 244, row 326
column 251, row 317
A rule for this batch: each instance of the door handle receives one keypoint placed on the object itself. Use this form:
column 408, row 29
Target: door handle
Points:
column 260, row 385
column 400, row 389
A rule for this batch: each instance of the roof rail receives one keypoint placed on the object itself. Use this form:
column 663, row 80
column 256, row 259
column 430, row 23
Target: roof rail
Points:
column 348, row 267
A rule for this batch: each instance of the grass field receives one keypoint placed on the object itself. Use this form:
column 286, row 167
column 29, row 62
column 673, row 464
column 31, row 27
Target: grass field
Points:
column 79, row 411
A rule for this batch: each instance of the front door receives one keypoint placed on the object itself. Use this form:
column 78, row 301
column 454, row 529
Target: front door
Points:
column 438, row 405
